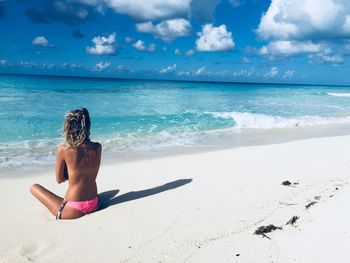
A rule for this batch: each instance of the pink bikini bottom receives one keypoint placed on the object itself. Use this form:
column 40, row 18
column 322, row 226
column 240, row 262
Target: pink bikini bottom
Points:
column 84, row 206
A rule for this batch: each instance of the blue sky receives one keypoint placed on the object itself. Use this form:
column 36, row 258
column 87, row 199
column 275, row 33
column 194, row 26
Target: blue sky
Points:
column 282, row 41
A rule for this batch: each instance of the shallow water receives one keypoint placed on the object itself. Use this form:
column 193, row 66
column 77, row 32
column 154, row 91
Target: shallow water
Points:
column 141, row 117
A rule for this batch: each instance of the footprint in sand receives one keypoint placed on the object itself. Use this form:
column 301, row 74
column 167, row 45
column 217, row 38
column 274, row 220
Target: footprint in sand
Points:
column 33, row 250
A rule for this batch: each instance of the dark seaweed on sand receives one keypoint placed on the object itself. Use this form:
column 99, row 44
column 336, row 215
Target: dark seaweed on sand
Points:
column 310, row 204
column 262, row 230
column 292, row 220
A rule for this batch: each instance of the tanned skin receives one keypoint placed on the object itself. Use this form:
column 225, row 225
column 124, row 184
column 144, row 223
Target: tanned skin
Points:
column 79, row 167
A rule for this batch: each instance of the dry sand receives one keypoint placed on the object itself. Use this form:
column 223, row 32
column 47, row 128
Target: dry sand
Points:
column 195, row 208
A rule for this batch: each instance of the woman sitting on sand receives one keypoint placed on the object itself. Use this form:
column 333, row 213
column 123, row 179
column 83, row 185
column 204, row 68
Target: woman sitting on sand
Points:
column 77, row 161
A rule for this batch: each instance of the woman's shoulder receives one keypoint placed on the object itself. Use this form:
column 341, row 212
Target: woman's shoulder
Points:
column 61, row 148
column 96, row 145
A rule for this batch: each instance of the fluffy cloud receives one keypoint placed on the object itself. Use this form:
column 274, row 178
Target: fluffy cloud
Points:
column 128, row 39
column 189, row 52
column 140, row 45
column 40, row 41
column 306, row 20
column 68, row 11
column 214, row 39
column 305, row 26
column 3, row 62
column 168, row 69
column 284, row 47
column 103, row 45
column 102, row 66
column 77, row 11
column 167, row 30
column 151, row 9
column 326, row 56
column 177, row 52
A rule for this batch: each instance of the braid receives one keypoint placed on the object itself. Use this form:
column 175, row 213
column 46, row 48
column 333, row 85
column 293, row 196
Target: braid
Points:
column 76, row 127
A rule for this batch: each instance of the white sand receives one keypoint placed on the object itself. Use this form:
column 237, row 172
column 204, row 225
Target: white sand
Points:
column 211, row 219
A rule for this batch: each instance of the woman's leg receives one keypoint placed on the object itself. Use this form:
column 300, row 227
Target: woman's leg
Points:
column 53, row 202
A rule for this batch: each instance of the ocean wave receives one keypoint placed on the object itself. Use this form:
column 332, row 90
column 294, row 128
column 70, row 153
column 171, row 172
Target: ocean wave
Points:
column 246, row 120
column 336, row 94
column 224, row 128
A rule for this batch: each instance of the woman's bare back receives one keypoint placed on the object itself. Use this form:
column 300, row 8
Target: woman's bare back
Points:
column 80, row 166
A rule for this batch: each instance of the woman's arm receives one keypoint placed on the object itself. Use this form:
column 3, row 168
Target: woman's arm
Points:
column 61, row 167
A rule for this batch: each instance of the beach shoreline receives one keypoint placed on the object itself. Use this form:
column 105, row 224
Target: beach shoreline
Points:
column 194, row 208
column 233, row 140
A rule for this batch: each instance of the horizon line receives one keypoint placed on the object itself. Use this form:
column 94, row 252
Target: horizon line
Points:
column 169, row 80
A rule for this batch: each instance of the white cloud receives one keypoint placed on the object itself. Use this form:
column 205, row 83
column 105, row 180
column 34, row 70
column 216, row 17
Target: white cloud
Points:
column 242, row 73
column 214, row 39
column 28, row 64
column 177, row 52
column 140, row 45
column 326, row 57
column 103, row 45
column 128, row 39
column 102, row 66
column 288, row 74
column 40, row 41
column 284, row 47
column 200, row 71
column 167, row 30
column 272, row 73
column 305, row 26
column 305, row 20
column 168, row 69
column 73, row 66
column 185, row 73
column 151, row 9
column 3, row 62
column 189, row 52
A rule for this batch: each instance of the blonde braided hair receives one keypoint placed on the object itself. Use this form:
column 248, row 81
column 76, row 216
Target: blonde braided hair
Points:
column 76, row 128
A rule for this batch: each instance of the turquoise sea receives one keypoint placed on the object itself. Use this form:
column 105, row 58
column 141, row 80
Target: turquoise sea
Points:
column 142, row 117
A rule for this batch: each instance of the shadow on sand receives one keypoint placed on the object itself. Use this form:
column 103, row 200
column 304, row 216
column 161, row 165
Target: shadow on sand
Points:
column 109, row 198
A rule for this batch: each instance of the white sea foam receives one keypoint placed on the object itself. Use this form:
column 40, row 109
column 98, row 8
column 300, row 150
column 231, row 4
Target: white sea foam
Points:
column 335, row 94
column 246, row 120
column 39, row 152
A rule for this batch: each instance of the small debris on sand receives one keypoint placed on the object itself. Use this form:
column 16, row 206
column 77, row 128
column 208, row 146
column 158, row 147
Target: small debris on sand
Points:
column 262, row 230
column 310, row 204
column 295, row 183
column 292, row 220
column 336, row 188
column 317, row 197
column 237, row 255
column 286, row 183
